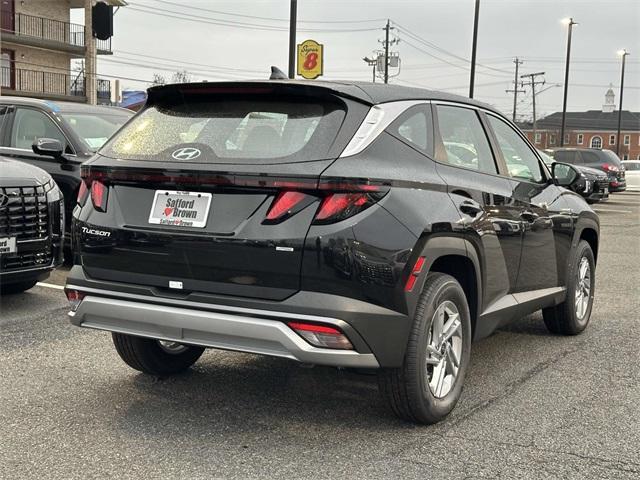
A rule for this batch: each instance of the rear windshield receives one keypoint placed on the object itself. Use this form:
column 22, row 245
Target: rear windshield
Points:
column 613, row 158
column 231, row 130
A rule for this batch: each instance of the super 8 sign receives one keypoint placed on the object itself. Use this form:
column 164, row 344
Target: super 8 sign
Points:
column 310, row 59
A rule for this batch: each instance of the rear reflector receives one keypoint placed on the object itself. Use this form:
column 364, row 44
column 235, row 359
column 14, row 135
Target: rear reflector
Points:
column 415, row 272
column 75, row 298
column 321, row 335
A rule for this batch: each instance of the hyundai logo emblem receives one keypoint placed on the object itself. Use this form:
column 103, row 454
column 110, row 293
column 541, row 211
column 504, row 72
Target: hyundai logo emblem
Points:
column 187, row 153
column 3, row 200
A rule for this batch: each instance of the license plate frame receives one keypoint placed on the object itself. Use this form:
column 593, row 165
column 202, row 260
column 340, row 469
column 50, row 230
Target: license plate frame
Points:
column 8, row 245
column 178, row 208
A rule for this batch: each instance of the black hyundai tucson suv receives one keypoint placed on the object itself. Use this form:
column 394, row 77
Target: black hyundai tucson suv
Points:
column 327, row 223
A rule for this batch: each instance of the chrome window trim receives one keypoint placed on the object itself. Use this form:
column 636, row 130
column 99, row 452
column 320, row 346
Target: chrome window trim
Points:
column 378, row 118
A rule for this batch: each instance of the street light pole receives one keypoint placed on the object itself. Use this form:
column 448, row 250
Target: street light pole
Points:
column 474, row 47
column 293, row 17
column 570, row 23
column 372, row 62
column 623, row 54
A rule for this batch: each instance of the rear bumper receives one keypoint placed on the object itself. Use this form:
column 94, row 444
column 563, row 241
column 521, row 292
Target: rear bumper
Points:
column 238, row 332
column 379, row 335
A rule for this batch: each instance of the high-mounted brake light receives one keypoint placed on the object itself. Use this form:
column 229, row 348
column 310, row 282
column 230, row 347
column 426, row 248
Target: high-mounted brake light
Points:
column 75, row 298
column 285, row 205
column 321, row 335
column 99, row 193
column 415, row 272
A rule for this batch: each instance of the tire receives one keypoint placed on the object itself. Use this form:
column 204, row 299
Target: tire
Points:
column 565, row 318
column 408, row 389
column 19, row 287
column 149, row 356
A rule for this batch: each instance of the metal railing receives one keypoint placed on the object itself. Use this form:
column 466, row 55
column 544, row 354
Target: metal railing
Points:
column 38, row 82
column 48, row 29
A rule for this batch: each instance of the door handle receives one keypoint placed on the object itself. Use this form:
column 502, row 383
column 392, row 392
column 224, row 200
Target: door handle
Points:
column 529, row 216
column 470, row 208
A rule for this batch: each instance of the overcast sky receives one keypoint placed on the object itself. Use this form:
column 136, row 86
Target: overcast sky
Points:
column 220, row 39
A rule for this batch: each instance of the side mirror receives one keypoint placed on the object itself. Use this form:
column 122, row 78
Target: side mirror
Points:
column 49, row 147
column 568, row 176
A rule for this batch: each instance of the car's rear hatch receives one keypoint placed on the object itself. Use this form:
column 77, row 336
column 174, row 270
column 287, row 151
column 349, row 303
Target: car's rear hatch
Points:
column 195, row 188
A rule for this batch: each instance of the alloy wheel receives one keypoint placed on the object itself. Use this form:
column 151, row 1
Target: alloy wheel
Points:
column 583, row 288
column 174, row 348
column 444, row 349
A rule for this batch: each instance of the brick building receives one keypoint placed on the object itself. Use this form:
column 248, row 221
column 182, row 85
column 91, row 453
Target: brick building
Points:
column 39, row 42
column 590, row 129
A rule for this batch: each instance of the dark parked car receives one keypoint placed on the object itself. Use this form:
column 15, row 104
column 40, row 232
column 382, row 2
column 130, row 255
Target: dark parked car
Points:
column 75, row 131
column 595, row 187
column 31, row 225
column 325, row 223
column 604, row 160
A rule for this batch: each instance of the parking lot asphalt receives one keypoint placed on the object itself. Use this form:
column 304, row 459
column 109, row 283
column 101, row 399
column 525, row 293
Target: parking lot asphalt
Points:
column 534, row 405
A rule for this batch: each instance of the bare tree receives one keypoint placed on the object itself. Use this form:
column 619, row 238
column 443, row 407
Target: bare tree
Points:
column 181, row 77
column 158, row 79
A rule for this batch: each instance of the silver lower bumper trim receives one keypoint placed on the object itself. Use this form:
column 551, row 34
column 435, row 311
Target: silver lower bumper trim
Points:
column 210, row 329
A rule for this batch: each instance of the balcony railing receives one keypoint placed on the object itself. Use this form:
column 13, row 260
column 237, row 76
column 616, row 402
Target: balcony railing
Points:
column 39, row 83
column 51, row 30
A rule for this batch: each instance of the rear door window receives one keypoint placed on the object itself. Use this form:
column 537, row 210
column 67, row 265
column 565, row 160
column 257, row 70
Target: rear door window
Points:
column 464, row 139
column 228, row 130
column 568, row 156
column 591, row 158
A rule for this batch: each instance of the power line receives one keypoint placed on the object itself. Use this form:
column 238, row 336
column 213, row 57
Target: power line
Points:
column 231, row 23
column 271, row 19
column 465, row 68
column 427, row 43
column 182, row 62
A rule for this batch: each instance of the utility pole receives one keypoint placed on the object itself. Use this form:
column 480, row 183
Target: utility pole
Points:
column 386, row 52
column 532, row 83
column 515, row 90
column 570, row 23
column 293, row 17
column 623, row 54
column 474, row 47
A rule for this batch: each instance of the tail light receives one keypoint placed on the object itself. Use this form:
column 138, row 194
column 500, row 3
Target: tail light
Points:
column 83, row 193
column 338, row 200
column 285, row 205
column 609, row 168
column 338, row 206
column 415, row 272
column 93, row 185
column 99, row 193
column 75, row 298
column 335, row 206
column 321, row 335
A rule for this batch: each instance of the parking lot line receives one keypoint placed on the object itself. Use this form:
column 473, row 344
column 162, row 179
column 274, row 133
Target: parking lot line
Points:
column 607, row 210
column 50, row 285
